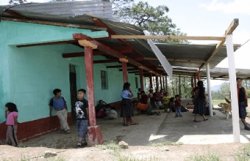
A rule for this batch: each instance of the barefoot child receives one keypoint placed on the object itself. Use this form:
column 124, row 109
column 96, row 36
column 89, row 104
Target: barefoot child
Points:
column 178, row 106
column 81, row 106
column 11, row 122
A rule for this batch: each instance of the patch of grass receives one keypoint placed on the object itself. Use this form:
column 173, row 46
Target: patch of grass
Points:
column 208, row 157
column 129, row 158
column 109, row 146
column 165, row 143
column 243, row 154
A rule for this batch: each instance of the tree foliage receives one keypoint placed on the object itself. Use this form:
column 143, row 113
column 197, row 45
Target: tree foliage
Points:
column 152, row 19
column 16, row 2
column 185, row 89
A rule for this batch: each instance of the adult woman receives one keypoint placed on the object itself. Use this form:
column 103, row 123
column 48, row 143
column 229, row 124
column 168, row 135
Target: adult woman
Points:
column 127, row 110
column 199, row 101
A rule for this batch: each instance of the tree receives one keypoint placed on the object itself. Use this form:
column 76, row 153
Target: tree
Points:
column 152, row 19
column 225, row 90
column 16, row 2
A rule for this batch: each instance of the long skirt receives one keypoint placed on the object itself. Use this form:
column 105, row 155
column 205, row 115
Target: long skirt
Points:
column 127, row 109
column 199, row 107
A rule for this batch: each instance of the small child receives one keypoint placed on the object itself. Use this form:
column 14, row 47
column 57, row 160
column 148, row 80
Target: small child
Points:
column 81, row 106
column 11, row 122
column 178, row 106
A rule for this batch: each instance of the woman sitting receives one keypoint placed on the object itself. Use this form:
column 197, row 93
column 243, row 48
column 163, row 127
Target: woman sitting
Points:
column 143, row 102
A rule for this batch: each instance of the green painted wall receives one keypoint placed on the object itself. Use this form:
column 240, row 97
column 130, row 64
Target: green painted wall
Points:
column 25, row 33
column 28, row 75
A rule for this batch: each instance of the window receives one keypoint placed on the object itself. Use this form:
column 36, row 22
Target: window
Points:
column 136, row 82
column 104, row 79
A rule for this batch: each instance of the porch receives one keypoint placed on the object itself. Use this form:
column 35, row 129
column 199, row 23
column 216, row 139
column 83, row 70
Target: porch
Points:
column 153, row 130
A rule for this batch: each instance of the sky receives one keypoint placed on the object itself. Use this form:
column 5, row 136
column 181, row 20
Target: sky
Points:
column 208, row 18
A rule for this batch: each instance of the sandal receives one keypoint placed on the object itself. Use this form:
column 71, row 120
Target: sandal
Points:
column 205, row 119
column 195, row 121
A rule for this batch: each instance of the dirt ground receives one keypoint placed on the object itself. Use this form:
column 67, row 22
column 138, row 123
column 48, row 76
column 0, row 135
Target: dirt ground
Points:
column 156, row 138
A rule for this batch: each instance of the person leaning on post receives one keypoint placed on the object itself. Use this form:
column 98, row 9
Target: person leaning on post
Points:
column 58, row 104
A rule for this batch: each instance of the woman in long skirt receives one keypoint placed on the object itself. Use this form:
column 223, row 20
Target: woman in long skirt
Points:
column 127, row 110
column 199, row 101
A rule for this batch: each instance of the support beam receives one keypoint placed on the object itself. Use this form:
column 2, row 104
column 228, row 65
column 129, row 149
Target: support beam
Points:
column 157, row 82
column 80, row 54
column 161, row 82
column 109, row 51
column 150, row 82
column 124, row 72
column 195, row 81
column 94, row 132
column 209, row 91
column 168, row 37
column 179, row 85
column 192, row 82
column 73, row 55
column 141, row 79
column 229, row 31
column 104, row 61
column 167, row 83
column 176, row 60
column 47, row 43
column 233, row 88
column 89, row 27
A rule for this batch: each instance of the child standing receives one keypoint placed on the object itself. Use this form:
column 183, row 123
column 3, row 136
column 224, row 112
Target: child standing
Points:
column 81, row 106
column 11, row 122
column 178, row 106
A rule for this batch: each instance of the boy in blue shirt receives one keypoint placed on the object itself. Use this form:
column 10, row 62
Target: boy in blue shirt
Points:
column 59, row 104
column 81, row 107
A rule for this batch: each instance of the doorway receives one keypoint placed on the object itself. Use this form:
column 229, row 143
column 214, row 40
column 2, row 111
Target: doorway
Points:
column 73, row 88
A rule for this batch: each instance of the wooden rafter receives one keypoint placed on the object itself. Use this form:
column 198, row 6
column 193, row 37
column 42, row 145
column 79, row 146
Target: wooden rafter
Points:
column 104, row 61
column 229, row 31
column 47, row 43
column 167, row 37
column 110, row 52
column 176, row 60
column 55, row 24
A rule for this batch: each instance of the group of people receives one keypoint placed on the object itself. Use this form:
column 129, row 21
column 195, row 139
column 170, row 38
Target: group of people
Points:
column 152, row 100
column 58, row 104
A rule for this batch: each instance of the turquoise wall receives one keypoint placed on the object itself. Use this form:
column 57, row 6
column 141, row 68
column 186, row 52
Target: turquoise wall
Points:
column 28, row 75
column 26, row 33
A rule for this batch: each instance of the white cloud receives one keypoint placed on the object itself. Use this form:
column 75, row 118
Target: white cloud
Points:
column 234, row 6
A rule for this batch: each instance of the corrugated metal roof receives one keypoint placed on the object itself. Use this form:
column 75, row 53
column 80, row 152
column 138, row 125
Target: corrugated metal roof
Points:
column 102, row 9
column 82, row 13
column 222, row 73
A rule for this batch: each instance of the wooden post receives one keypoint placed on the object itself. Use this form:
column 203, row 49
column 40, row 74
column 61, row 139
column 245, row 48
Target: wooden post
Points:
column 179, row 85
column 195, row 81
column 124, row 72
column 94, row 132
column 161, row 82
column 209, row 90
column 167, row 83
column 157, row 82
column 233, row 88
column 150, row 82
column 192, row 82
column 141, row 79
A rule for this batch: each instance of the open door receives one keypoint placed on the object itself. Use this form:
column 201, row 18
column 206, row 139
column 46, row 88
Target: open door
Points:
column 73, row 88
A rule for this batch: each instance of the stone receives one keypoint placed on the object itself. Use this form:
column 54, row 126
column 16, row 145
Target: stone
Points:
column 49, row 154
column 123, row 145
